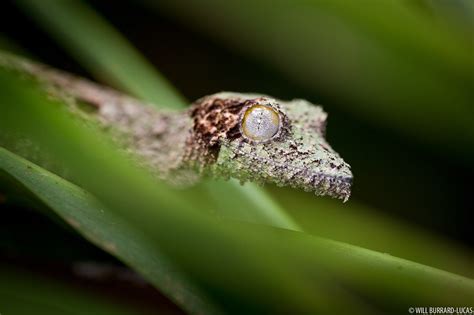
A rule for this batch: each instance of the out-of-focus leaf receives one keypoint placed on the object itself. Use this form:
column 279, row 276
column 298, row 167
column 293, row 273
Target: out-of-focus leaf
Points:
column 98, row 224
column 248, row 202
column 380, row 60
column 359, row 225
column 106, row 230
column 72, row 23
column 101, row 49
column 22, row 293
column 246, row 267
column 145, row 209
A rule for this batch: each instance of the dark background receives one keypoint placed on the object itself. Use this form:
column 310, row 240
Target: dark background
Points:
column 394, row 174
column 399, row 176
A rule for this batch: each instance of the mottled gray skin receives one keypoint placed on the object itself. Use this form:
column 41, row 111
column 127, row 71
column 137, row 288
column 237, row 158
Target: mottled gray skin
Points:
column 207, row 138
column 297, row 156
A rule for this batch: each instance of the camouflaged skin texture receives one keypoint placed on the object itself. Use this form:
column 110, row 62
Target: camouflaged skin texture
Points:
column 298, row 155
column 208, row 139
column 180, row 146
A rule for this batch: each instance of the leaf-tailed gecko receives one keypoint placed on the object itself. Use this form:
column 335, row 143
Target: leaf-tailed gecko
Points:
column 250, row 137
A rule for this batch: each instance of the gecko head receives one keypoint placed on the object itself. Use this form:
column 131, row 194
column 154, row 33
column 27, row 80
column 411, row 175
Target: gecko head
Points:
column 260, row 139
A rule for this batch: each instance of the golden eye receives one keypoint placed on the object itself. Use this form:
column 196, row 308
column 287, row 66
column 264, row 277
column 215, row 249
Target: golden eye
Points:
column 260, row 122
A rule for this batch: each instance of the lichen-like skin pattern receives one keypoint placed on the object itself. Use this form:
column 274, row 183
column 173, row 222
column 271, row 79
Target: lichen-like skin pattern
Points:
column 298, row 155
column 250, row 137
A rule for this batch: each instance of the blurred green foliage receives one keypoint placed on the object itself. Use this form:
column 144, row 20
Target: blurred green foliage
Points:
column 108, row 231
column 110, row 60
column 22, row 292
column 382, row 60
column 387, row 62
column 102, row 50
column 304, row 273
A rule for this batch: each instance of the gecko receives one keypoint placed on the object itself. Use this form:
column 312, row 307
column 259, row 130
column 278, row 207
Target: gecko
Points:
column 249, row 137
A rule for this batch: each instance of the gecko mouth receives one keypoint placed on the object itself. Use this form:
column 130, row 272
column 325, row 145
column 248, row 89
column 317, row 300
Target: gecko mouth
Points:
column 322, row 184
column 323, row 180
column 334, row 186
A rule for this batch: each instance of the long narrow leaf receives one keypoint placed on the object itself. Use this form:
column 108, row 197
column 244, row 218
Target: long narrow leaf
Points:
column 247, row 267
column 107, row 230
column 102, row 50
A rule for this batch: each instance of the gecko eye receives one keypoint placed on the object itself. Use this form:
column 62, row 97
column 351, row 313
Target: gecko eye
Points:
column 260, row 123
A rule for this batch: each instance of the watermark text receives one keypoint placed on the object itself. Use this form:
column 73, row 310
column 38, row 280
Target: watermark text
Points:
column 462, row 310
